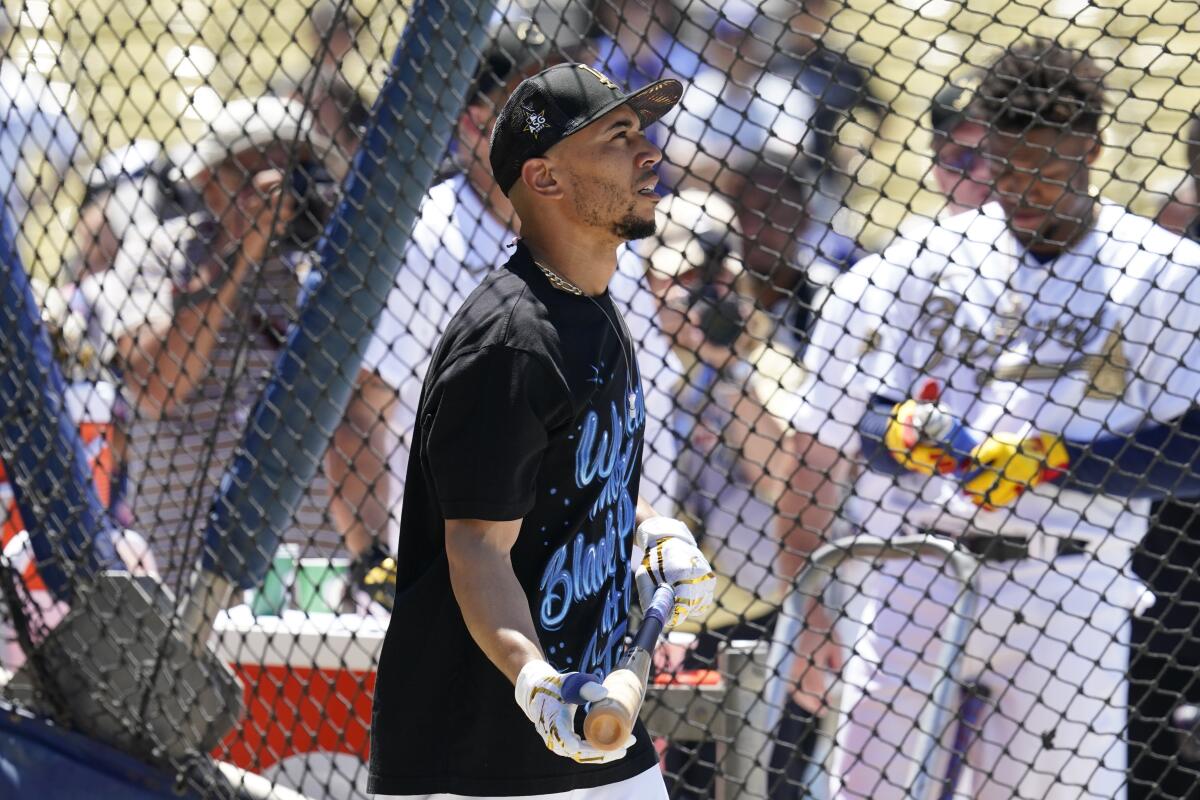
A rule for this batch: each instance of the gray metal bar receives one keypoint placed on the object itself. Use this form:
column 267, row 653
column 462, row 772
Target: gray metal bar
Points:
column 765, row 716
column 745, row 670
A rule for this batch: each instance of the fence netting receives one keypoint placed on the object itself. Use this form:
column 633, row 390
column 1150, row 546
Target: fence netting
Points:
column 918, row 334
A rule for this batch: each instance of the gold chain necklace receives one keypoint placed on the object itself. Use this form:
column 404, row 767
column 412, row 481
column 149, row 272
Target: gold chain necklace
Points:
column 564, row 285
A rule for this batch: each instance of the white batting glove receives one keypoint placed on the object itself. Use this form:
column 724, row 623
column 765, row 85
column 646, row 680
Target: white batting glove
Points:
column 672, row 558
column 549, row 698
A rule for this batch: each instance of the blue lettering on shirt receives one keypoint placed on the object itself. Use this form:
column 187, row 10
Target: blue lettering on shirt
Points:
column 589, row 565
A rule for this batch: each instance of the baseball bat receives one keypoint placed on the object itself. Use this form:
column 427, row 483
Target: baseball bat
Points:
column 610, row 721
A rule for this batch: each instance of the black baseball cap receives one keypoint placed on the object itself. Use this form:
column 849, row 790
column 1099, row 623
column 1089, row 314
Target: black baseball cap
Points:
column 560, row 101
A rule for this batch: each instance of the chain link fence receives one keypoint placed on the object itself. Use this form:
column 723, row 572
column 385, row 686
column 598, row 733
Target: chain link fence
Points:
column 917, row 338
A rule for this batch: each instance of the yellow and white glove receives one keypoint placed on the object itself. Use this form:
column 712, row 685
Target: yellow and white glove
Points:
column 672, row 558
column 1007, row 464
column 922, row 436
column 549, row 698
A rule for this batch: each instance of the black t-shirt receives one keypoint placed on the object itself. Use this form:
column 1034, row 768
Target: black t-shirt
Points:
column 525, row 413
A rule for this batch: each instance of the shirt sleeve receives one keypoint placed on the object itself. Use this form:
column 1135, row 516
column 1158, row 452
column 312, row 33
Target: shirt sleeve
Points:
column 851, row 357
column 486, row 432
column 1156, row 461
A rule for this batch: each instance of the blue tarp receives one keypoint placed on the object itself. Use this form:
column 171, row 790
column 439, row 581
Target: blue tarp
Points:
column 39, row 760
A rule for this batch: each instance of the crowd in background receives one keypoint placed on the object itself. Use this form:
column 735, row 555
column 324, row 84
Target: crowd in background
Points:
column 191, row 264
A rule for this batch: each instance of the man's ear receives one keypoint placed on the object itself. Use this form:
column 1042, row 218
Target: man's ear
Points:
column 540, row 179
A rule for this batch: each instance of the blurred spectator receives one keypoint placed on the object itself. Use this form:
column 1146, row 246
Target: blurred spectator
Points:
column 734, row 105
column 95, row 404
column 340, row 113
column 765, row 79
column 959, row 170
column 794, row 256
column 333, row 27
column 839, row 86
column 734, row 394
column 118, row 194
column 634, row 43
column 37, row 131
column 193, row 313
column 1181, row 214
column 126, row 194
column 730, row 464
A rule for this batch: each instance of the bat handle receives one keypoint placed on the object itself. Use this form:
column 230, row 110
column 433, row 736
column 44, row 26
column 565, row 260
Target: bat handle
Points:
column 610, row 721
column 662, row 605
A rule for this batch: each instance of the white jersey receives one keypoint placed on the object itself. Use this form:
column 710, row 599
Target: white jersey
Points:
column 455, row 243
column 1096, row 341
column 36, row 128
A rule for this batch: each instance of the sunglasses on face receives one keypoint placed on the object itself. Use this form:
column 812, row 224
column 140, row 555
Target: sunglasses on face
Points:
column 959, row 159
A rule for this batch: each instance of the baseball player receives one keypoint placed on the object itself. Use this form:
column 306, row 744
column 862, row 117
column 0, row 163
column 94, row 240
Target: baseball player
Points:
column 521, row 505
column 466, row 222
column 975, row 368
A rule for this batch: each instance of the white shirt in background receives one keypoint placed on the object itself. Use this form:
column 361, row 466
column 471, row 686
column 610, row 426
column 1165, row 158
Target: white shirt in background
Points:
column 36, row 128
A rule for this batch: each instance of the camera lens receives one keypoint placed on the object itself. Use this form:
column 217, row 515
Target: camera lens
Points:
column 315, row 192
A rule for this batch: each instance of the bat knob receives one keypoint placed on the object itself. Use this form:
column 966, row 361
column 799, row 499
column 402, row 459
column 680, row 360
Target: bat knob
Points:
column 605, row 730
column 610, row 721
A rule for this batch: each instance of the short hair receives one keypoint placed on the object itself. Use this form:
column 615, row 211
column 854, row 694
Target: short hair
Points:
column 1040, row 83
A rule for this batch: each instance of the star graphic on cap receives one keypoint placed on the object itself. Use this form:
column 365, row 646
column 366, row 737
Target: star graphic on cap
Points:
column 535, row 122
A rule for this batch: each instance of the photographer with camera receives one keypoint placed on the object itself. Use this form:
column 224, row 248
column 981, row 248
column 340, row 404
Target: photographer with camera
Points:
column 734, row 396
column 193, row 311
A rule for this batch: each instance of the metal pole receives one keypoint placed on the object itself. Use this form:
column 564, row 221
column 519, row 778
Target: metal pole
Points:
column 930, row 757
column 40, row 443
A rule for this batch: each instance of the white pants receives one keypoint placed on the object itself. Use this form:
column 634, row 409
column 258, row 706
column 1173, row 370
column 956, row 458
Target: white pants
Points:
column 647, row 786
column 1050, row 642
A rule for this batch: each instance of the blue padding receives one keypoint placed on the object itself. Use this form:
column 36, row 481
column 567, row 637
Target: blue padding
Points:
column 41, row 445
column 39, row 760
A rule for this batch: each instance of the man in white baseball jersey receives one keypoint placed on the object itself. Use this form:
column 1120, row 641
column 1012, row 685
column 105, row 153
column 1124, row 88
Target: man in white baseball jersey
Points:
column 1045, row 322
column 461, row 235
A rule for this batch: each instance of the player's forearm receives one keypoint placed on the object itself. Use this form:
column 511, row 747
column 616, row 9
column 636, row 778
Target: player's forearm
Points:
column 1155, row 461
column 872, row 429
column 493, row 604
column 164, row 364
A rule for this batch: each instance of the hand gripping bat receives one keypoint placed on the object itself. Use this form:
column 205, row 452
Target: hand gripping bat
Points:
column 610, row 721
